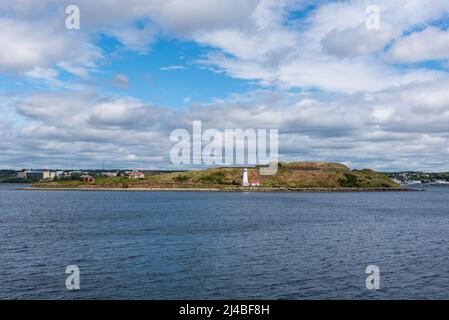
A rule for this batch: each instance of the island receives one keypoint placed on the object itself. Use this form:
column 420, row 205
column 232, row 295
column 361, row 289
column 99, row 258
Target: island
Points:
column 291, row 176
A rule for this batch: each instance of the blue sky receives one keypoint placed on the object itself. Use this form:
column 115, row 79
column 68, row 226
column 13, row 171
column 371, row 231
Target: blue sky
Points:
column 168, row 75
column 336, row 89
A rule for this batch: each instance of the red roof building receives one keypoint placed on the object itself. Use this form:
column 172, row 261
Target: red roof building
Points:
column 87, row 178
column 137, row 175
column 254, row 183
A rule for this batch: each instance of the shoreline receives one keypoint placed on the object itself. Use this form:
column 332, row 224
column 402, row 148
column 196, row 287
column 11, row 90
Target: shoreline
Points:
column 299, row 190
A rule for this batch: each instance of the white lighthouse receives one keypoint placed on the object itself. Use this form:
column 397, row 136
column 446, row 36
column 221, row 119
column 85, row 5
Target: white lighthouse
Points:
column 245, row 182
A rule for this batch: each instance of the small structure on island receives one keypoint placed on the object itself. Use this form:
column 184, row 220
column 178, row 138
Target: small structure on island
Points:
column 47, row 175
column 244, row 181
column 137, row 175
column 254, row 183
column 22, row 174
column 87, row 178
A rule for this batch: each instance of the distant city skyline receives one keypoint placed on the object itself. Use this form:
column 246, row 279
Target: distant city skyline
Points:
column 112, row 91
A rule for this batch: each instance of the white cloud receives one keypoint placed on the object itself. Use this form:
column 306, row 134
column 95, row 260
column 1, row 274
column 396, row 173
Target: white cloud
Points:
column 354, row 42
column 43, row 73
column 172, row 68
column 330, row 50
column 134, row 39
column 36, row 46
column 183, row 18
column 428, row 44
column 24, row 47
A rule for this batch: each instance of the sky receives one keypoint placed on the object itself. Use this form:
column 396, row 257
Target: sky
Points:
column 111, row 92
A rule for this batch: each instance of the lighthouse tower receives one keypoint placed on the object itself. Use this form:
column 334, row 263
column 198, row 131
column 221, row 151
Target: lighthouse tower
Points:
column 245, row 182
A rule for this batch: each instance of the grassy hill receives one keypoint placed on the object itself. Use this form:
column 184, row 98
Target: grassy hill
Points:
column 290, row 175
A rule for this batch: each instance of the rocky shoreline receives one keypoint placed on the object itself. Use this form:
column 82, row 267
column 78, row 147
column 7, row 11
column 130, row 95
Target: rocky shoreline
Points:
column 255, row 189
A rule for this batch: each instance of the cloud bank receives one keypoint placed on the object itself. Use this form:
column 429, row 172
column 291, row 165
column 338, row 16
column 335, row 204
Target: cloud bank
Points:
column 336, row 90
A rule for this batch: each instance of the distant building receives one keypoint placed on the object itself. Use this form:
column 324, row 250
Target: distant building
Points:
column 22, row 174
column 44, row 175
column 87, row 178
column 59, row 174
column 254, row 183
column 244, row 181
column 109, row 174
column 137, row 175
column 48, row 175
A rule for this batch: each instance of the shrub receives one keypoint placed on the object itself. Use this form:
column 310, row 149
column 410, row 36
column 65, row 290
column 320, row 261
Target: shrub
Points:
column 181, row 178
column 350, row 181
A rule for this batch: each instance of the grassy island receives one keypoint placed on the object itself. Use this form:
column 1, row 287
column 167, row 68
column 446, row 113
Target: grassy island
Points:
column 293, row 176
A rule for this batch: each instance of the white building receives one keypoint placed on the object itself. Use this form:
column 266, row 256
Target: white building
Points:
column 137, row 175
column 48, row 175
column 59, row 174
column 244, row 181
column 22, row 174
column 109, row 174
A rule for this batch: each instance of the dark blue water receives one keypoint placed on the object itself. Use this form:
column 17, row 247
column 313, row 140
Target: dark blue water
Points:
column 165, row 245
